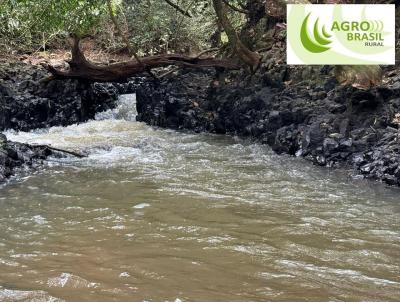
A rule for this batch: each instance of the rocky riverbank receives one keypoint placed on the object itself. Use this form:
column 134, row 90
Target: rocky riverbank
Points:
column 28, row 100
column 16, row 155
column 296, row 111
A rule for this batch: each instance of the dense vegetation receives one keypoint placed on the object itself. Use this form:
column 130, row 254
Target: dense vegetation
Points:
column 236, row 28
column 153, row 26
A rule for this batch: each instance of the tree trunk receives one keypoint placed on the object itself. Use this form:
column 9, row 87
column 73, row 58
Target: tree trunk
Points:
column 250, row 58
column 124, row 37
column 255, row 13
column 81, row 68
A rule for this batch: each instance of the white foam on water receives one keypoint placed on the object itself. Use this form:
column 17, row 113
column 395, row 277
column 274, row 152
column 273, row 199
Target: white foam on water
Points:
column 39, row 219
column 70, row 281
column 109, row 129
column 124, row 275
column 7, row 295
column 141, row 206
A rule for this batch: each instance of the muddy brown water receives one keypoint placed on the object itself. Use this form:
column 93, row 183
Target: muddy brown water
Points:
column 159, row 215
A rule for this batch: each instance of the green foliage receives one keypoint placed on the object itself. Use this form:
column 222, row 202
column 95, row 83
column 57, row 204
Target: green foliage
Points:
column 29, row 24
column 154, row 26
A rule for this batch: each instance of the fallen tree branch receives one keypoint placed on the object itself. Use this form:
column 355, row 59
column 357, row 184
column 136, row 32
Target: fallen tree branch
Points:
column 81, row 68
column 73, row 153
column 198, row 56
column 168, row 72
column 178, row 8
column 207, row 51
column 232, row 7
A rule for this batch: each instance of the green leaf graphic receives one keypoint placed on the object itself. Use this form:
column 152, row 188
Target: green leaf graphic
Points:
column 316, row 46
column 325, row 33
column 318, row 37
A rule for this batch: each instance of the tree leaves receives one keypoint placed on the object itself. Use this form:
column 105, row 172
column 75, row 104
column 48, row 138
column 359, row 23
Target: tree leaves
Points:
column 29, row 22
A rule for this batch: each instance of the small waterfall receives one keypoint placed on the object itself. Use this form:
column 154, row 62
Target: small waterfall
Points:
column 125, row 110
column 111, row 128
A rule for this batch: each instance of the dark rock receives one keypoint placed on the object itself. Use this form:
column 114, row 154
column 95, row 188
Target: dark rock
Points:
column 390, row 179
column 327, row 124
column 321, row 160
column 3, row 139
column 27, row 103
column 15, row 155
column 366, row 169
column 330, row 145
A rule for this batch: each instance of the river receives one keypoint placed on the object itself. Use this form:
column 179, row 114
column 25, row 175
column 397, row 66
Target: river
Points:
column 160, row 215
